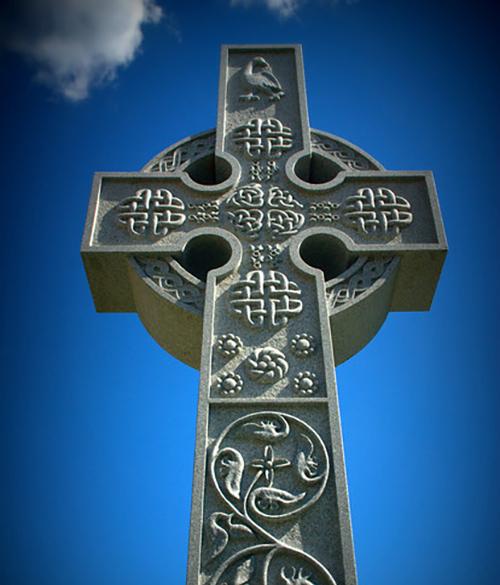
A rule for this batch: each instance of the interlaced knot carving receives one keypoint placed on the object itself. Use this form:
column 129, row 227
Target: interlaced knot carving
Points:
column 266, row 298
column 155, row 212
column 163, row 275
column 358, row 283
column 377, row 211
column 266, row 137
column 249, row 217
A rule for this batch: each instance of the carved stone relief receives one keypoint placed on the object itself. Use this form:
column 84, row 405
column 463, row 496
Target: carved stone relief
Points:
column 371, row 212
column 303, row 345
column 262, row 172
column 324, row 212
column 267, row 365
column 358, row 283
column 346, row 156
column 263, row 138
column 173, row 159
column 189, row 150
column 266, row 467
column 376, row 211
column 205, row 212
column 259, row 79
column 163, row 274
column 251, row 211
column 229, row 383
column 266, row 299
column 262, row 254
column 151, row 212
column 228, row 345
column 306, row 383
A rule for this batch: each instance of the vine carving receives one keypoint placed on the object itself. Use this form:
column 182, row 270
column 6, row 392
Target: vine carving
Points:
column 266, row 467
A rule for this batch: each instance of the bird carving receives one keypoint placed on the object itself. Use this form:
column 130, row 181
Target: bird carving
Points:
column 260, row 79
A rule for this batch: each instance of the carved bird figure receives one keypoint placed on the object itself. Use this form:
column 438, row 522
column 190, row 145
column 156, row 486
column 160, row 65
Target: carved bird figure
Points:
column 260, row 78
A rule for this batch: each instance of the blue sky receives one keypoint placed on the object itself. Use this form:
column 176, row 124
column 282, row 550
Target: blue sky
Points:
column 98, row 423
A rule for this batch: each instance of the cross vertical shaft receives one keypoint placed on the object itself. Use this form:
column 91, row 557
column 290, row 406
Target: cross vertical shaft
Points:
column 269, row 496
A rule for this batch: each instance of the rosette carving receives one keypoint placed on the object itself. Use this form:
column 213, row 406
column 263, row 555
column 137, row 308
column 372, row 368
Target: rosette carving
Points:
column 267, row 365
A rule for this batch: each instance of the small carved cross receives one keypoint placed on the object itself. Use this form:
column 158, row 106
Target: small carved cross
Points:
column 257, row 253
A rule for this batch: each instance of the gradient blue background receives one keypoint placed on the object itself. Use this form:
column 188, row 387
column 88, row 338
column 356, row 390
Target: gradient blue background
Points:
column 98, row 423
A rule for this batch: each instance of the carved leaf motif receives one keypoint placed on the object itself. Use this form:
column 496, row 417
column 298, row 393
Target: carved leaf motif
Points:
column 238, row 528
column 218, row 535
column 244, row 573
column 232, row 465
column 269, row 501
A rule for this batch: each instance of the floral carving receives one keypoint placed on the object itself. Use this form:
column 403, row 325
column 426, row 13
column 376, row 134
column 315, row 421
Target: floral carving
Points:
column 271, row 487
column 229, row 345
column 229, row 383
column 269, row 464
column 306, row 383
column 267, row 365
column 264, row 486
column 303, row 345
column 244, row 572
column 220, row 526
column 232, row 465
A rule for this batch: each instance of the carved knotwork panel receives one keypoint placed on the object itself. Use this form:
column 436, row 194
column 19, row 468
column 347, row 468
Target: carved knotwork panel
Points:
column 266, row 298
column 151, row 212
column 263, row 138
column 275, row 211
column 377, row 211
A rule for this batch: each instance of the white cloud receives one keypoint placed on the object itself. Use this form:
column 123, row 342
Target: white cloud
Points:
column 76, row 44
column 284, row 8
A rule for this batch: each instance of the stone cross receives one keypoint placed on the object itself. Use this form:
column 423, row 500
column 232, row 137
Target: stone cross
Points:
column 257, row 252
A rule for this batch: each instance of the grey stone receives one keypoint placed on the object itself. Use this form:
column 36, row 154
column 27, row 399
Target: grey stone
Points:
column 257, row 252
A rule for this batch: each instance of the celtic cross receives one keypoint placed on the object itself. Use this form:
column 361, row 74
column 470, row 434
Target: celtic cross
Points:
column 258, row 252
